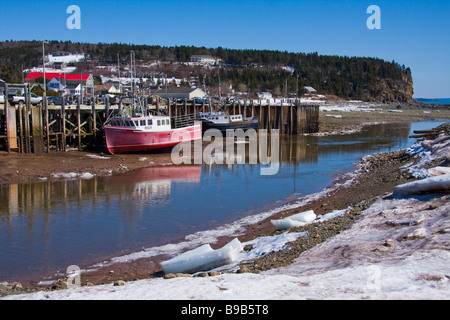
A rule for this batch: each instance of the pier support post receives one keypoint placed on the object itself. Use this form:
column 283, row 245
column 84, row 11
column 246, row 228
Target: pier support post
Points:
column 38, row 130
column 94, row 123
column 63, row 118
column 6, row 119
column 27, row 119
column 46, row 120
column 79, row 121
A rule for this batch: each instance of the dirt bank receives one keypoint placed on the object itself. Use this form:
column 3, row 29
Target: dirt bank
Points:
column 17, row 168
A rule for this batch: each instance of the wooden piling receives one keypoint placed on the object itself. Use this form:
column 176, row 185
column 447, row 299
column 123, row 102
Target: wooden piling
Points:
column 27, row 117
column 19, row 115
column 63, row 117
column 94, row 123
column 79, row 121
column 37, row 130
column 46, row 121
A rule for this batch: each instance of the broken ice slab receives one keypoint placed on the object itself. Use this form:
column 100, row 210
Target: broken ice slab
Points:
column 433, row 184
column 286, row 223
column 307, row 216
column 295, row 220
column 203, row 258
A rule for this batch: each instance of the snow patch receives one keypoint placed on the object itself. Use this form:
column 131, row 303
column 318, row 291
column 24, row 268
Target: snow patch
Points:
column 437, row 183
column 429, row 151
column 95, row 156
column 72, row 175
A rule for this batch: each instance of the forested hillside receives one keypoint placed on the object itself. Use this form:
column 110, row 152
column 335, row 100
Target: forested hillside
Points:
column 369, row 79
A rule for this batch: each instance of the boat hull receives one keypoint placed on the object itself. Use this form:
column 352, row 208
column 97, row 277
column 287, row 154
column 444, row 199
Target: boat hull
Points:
column 223, row 127
column 129, row 140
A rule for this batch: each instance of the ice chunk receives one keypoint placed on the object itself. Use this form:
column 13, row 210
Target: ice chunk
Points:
column 438, row 183
column 286, row 223
column 193, row 253
column 307, row 216
column 203, row 258
column 234, row 245
column 295, row 220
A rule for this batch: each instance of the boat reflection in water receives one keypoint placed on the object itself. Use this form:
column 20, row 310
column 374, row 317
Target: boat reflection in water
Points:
column 152, row 182
column 27, row 198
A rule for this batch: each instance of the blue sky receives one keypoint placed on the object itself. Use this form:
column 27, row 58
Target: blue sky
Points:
column 413, row 33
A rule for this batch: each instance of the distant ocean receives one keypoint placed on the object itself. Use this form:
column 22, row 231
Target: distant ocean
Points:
column 435, row 101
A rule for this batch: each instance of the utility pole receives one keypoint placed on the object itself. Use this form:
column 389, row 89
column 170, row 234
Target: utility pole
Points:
column 285, row 89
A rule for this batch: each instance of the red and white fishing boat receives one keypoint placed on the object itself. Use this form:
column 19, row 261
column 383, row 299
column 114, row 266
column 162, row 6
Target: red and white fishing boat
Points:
column 133, row 134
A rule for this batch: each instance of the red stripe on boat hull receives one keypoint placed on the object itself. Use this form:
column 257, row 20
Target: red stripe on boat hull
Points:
column 124, row 140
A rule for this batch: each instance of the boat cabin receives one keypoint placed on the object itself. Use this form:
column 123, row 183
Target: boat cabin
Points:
column 154, row 123
column 219, row 117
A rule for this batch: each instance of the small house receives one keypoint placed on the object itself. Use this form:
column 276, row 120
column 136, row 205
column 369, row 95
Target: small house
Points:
column 55, row 85
column 106, row 89
column 264, row 95
column 310, row 90
column 69, row 83
column 181, row 93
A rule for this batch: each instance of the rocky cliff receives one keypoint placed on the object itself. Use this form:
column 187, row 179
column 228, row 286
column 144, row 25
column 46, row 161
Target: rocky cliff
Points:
column 389, row 90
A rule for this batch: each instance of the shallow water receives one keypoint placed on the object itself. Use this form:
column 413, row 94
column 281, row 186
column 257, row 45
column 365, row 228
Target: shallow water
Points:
column 47, row 226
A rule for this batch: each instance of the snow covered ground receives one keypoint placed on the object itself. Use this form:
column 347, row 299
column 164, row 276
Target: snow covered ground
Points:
column 350, row 106
column 398, row 249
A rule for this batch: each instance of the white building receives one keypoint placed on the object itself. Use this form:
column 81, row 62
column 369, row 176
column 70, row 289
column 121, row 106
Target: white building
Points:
column 264, row 95
column 203, row 59
column 181, row 93
column 64, row 57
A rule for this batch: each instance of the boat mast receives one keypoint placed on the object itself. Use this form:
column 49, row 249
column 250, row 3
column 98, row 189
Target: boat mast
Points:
column 131, row 82
column 207, row 93
column 220, row 87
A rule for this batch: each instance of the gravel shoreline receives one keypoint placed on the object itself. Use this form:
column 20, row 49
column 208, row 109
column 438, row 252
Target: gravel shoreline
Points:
column 381, row 170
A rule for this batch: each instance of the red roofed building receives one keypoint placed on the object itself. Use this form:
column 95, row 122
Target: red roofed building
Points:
column 51, row 75
column 67, row 83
